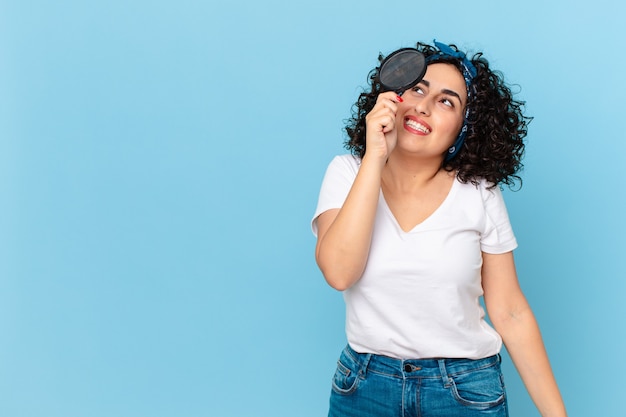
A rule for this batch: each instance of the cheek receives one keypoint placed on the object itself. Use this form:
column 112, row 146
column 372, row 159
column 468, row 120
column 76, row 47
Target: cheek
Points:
column 455, row 123
column 406, row 105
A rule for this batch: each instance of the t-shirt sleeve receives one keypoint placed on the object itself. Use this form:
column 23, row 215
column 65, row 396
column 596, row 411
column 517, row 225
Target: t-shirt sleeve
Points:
column 498, row 236
column 336, row 185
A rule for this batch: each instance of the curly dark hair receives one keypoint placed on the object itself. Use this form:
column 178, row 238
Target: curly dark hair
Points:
column 494, row 145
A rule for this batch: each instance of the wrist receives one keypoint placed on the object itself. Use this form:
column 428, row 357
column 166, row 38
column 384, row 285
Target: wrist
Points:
column 374, row 160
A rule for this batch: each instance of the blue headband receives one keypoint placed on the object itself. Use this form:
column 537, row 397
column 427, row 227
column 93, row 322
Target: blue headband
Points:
column 469, row 72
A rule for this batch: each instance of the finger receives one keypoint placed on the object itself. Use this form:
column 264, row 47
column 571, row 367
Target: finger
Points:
column 387, row 123
column 381, row 117
column 385, row 105
column 389, row 127
column 394, row 97
column 390, row 95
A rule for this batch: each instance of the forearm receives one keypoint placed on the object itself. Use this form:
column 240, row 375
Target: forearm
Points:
column 524, row 343
column 343, row 249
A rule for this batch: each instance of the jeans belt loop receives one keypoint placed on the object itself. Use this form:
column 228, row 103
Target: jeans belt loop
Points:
column 444, row 373
column 364, row 363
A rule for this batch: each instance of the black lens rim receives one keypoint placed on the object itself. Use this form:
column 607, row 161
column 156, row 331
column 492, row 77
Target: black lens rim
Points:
column 394, row 75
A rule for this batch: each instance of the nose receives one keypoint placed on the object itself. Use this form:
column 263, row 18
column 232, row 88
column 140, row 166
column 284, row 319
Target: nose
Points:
column 422, row 106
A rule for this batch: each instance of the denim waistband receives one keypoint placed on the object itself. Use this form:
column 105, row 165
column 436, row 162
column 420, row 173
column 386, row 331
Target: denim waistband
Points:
column 418, row 368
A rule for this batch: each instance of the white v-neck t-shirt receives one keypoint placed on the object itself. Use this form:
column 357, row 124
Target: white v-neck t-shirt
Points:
column 419, row 296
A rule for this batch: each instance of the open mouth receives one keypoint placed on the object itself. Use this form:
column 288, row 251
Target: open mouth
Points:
column 415, row 125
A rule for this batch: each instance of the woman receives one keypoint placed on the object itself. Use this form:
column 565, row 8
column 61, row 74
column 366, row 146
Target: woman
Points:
column 413, row 229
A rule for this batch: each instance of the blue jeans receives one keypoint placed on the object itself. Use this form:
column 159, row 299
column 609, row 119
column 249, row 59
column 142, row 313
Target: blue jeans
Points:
column 366, row 385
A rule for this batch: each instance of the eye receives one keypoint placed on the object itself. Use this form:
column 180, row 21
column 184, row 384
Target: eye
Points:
column 418, row 90
column 447, row 102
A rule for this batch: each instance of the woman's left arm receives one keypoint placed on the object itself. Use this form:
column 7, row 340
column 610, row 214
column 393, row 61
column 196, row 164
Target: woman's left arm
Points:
column 514, row 320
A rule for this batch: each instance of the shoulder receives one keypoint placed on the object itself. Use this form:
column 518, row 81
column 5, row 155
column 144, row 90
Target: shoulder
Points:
column 485, row 189
column 483, row 196
column 347, row 161
column 484, row 202
column 346, row 166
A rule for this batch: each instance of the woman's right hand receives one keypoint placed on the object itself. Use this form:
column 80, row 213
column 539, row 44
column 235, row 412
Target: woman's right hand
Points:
column 381, row 134
column 344, row 235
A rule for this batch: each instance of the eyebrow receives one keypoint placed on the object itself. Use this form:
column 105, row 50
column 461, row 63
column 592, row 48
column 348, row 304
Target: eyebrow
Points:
column 445, row 91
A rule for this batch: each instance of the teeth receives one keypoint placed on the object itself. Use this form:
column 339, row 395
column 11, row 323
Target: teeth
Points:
column 417, row 126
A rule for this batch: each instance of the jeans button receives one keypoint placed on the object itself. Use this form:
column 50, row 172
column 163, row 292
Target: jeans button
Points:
column 408, row 368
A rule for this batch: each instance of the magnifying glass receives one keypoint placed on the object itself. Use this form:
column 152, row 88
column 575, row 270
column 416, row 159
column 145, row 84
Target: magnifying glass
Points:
column 402, row 70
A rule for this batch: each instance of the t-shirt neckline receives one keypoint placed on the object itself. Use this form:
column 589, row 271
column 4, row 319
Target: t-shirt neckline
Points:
column 432, row 215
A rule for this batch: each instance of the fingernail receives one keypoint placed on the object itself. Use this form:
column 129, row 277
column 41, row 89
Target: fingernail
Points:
column 399, row 99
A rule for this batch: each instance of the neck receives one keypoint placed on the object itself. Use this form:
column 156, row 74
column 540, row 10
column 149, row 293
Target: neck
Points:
column 410, row 173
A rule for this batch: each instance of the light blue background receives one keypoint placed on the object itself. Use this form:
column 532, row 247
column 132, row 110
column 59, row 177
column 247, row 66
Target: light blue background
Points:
column 160, row 161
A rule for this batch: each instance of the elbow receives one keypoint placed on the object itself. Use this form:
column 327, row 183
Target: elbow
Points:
column 338, row 284
column 340, row 271
column 338, row 277
column 514, row 323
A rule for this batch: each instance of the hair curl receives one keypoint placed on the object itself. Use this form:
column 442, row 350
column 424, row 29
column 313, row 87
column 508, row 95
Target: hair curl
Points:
column 494, row 145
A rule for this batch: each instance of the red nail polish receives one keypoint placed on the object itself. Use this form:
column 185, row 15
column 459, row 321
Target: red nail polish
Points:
column 399, row 99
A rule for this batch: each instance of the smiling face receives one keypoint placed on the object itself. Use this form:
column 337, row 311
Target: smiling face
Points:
column 431, row 113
